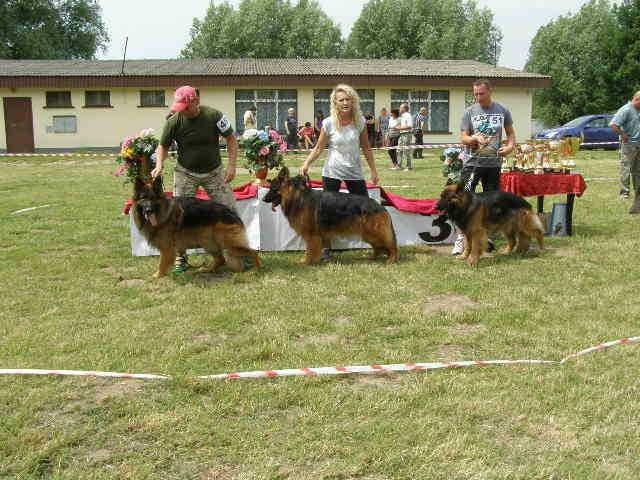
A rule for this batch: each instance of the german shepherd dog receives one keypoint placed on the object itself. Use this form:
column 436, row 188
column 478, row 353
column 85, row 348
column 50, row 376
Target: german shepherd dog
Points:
column 173, row 225
column 317, row 216
column 479, row 214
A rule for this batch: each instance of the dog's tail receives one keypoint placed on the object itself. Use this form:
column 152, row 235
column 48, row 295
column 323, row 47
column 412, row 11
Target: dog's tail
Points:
column 535, row 221
column 533, row 227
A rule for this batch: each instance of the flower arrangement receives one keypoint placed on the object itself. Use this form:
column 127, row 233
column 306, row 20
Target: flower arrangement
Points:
column 452, row 159
column 137, row 155
column 261, row 150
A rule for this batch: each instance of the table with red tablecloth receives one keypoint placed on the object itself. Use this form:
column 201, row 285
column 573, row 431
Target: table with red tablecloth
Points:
column 539, row 185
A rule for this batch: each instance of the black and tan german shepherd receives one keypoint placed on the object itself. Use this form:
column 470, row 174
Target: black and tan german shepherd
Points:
column 479, row 214
column 173, row 225
column 317, row 216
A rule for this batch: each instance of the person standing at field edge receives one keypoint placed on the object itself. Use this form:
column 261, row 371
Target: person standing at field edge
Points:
column 626, row 123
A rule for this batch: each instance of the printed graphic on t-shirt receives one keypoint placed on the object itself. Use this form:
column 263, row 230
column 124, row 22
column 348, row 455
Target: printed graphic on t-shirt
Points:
column 223, row 125
column 490, row 127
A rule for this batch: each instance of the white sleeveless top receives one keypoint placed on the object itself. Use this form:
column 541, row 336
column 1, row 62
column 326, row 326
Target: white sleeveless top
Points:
column 343, row 159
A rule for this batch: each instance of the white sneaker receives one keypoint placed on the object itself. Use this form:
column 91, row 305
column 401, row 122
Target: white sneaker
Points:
column 458, row 246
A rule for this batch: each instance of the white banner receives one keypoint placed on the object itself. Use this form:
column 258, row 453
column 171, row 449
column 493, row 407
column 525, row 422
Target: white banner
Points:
column 269, row 231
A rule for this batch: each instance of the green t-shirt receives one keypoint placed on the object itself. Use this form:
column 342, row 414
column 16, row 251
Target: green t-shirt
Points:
column 197, row 138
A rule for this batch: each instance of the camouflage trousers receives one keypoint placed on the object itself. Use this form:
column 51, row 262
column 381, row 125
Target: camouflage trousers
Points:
column 186, row 182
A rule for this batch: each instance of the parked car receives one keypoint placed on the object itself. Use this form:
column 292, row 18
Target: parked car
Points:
column 591, row 128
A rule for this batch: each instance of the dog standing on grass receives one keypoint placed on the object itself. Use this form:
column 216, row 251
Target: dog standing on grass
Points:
column 318, row 216
column 480, row 214
column 176, row 224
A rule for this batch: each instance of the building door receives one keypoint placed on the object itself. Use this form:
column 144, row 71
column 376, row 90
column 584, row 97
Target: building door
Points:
column 18, row 121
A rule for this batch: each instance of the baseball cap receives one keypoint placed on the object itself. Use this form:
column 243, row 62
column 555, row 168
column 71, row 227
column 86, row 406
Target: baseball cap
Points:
column 182, row 97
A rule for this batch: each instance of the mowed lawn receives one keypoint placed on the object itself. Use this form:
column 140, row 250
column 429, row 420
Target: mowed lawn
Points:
column 73, row 297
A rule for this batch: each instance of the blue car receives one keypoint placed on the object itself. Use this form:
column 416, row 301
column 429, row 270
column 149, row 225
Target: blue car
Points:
column 591, row 128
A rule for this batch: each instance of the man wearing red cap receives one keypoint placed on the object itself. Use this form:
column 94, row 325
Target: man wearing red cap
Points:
column 196, row 129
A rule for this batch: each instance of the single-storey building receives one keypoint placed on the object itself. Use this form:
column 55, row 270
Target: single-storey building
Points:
column 64, row 105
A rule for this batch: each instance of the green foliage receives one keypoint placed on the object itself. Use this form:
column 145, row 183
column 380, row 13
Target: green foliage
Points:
column 264, row 29
column 627, row 77
column 593, row 57
column 434, row 29
column 51, row 29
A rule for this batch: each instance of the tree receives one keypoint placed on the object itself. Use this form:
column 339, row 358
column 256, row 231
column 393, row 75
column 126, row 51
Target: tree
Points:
column 264, row 29
column 51, row 29
column 216, row 36
column 627, row 76
column 578, row 51
column 434, row 29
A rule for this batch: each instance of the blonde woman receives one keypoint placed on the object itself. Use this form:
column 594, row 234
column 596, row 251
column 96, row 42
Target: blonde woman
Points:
column 344, row 134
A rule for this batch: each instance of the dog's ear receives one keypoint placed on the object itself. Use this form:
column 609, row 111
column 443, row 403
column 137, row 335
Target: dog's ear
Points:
column 158, row 188
column 284, row 173
column 299, row 182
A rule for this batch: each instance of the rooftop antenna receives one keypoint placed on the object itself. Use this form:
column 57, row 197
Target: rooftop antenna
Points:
column 124, row 56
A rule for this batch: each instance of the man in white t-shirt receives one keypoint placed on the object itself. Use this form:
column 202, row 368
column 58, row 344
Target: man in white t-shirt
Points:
column 406, row 129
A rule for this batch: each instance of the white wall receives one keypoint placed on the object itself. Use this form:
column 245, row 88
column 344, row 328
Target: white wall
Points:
column 106, row 127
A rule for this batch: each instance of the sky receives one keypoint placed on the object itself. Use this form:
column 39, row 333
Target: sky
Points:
column 160, row 28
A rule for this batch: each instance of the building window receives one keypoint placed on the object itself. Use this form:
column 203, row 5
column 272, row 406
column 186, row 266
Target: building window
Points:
column 58, row 99
column 321, row 101
column 271, row 107
column 97, row 98
column 152, row 98
column 65, row 124
column 436, row 101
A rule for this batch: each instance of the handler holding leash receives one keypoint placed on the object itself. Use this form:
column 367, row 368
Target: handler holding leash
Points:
column 481, row 134
column 345, row 134
column 196, row 129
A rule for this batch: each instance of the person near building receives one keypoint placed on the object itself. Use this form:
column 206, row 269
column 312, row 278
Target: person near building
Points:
column 421, row 126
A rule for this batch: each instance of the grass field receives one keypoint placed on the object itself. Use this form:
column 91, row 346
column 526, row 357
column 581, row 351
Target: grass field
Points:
column 74, row 298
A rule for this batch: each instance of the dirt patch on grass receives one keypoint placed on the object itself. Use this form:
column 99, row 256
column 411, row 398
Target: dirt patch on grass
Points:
column 118, row 389
column 99, row 455
column 210, row 339
column 565, row 252
column 212, row 277
column 109, row 269
column 341, row 298
column 448, row 303
column 130, row 282
column 463, row 329
column 367, row 381
column 319, row 339
column 219, row 473
column 449, row 352
column 341, row 321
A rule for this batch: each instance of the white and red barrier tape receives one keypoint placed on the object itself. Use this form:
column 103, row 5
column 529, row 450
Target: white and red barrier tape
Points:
column 338, row 370
column 293, row 150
